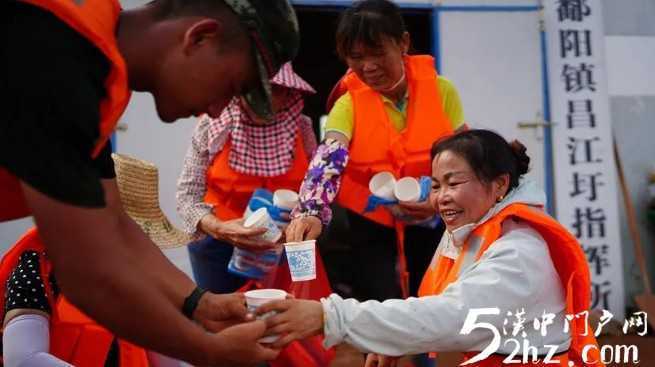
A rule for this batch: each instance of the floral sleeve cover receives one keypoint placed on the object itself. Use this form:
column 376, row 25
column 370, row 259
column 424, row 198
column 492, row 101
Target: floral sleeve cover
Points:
column 322, row 181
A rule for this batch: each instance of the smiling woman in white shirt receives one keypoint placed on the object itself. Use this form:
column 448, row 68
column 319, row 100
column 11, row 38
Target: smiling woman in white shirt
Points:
column 502, row 255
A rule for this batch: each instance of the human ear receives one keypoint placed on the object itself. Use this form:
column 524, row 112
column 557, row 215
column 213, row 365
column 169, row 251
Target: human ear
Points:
column 405, row 42
column 501, row 185
column 201, row 32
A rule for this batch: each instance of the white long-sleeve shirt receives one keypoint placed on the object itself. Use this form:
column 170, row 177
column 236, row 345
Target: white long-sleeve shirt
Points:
column 515, row 273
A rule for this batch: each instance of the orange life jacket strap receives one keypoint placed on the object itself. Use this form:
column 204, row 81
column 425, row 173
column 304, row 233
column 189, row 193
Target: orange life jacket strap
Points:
column 568, row 260
column 229, row 191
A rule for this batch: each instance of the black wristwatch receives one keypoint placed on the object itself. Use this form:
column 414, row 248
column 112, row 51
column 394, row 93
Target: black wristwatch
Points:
column 191, row 302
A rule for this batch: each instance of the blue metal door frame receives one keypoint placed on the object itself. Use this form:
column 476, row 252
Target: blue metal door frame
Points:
column 437, row 10
column 347, row 3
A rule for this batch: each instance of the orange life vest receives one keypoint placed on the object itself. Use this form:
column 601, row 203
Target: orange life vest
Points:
column 95, row 20
column 568, row 258
column 229, row 191
column 377, row 146
column 74, row 337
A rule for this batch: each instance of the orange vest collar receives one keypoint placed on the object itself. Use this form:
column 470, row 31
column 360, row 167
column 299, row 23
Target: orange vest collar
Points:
column 376, row 141
column 376, row 145
column 229, row 191
column 567, row 256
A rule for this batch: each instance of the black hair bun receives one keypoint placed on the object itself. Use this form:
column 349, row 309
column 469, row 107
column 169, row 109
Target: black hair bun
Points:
column 522, row 159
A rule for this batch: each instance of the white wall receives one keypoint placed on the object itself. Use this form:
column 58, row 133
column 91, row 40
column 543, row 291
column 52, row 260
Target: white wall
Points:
column 164, row 145
column 630, row 65
column 630, row 54
column 11, row 231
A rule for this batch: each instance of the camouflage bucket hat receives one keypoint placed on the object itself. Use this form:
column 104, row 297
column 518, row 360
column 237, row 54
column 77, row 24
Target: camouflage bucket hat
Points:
column 273, row 30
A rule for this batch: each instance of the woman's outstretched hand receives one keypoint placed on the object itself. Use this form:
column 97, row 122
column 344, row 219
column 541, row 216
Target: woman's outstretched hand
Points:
column 295, row 319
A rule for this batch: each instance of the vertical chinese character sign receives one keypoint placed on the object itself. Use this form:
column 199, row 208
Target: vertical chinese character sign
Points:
column 585, row 175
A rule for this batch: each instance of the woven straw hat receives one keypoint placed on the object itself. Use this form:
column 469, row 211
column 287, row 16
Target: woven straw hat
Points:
column 138, row 183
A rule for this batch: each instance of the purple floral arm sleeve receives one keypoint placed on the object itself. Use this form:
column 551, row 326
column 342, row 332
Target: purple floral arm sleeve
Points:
column 322, row 181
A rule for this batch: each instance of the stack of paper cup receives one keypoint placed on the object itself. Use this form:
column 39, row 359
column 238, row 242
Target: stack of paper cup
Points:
column 301, row 257
column 382, row 185
column 258, row 297
column 285, row 199
column 256, row 264
column 407, row 189
column 260, row 197
column 261, row 218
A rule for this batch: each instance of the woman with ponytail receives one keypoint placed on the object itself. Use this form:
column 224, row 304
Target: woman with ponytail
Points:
column 501, row 259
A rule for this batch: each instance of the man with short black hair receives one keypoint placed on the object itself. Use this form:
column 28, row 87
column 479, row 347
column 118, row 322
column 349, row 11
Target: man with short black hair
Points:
column 70, row 67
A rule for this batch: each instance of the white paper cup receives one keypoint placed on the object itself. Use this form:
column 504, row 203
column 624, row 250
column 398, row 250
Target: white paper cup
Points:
column 258, row 297
column 407, row 189
column 301, row 257
column 260, row 218
column 382, row 185
column 286, row 199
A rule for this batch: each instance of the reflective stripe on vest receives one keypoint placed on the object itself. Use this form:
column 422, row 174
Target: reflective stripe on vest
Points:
column 74, row 337
column 95, row 20
column 567, row 256
column 376, row 145
column 229, row 191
